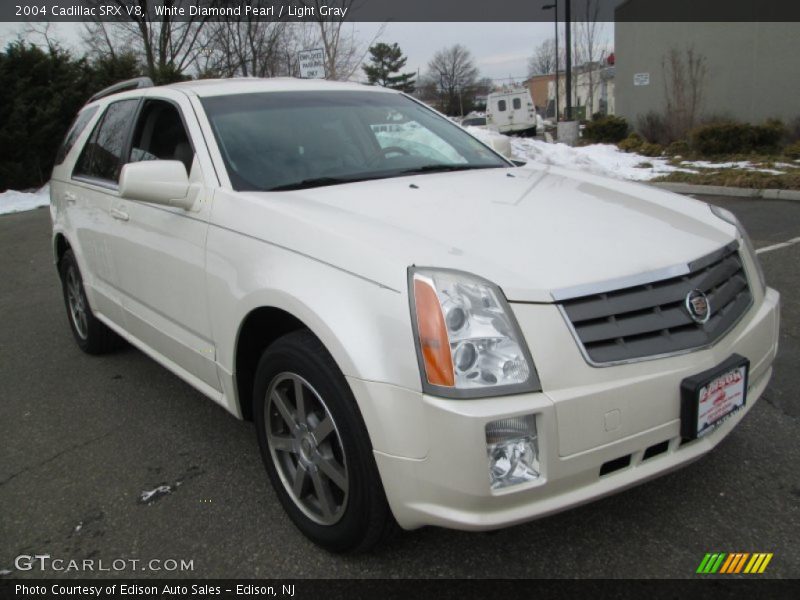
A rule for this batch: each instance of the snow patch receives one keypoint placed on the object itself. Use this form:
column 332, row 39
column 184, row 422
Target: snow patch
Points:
column 745, row 165
column 13, row 201
column 600, row 159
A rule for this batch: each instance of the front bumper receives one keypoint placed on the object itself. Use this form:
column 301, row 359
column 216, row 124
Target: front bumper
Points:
column 431, row 452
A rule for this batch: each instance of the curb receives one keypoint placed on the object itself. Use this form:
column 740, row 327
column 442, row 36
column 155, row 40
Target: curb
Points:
column 721, row 190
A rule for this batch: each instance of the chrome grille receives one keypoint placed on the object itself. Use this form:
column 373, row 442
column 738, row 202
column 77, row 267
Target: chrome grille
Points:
column 652, row 320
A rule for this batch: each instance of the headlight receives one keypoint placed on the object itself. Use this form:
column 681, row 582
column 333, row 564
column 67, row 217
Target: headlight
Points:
column 729, row 217
column 468, row 343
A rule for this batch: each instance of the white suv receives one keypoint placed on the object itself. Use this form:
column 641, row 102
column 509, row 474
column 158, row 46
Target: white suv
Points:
column 423, row 333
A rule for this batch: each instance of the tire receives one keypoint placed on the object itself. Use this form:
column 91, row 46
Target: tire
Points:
column 91, row 335
column 321, row 464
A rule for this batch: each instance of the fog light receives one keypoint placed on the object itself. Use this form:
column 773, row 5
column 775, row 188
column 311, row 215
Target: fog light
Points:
column 513, row 451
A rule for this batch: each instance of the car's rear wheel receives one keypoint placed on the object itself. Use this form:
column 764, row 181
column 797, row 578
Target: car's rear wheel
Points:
column 315, row 447
column 91, row 335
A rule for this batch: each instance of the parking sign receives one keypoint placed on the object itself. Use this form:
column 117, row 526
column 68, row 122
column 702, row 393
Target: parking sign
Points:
column 312, row 64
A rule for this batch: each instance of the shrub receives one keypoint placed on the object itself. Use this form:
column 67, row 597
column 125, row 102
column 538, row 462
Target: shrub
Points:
column 792, row 150
column 648, row 149
column 608, row 130
column 793, row 131
column 653, row 127
column 767, row 138
column 677, row 148
column 631, row 143
column 738, row 138
column 722, row 138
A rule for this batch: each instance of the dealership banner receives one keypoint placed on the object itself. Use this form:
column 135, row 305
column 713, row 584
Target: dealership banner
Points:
column 398, row 10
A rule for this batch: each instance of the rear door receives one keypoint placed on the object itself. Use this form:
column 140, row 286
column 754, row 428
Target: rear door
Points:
column 159, row 252
column 499, row 117
column 89, row 197
column 523, row 113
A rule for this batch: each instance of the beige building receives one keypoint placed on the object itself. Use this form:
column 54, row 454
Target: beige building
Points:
column 592, row 92
column 752, row 69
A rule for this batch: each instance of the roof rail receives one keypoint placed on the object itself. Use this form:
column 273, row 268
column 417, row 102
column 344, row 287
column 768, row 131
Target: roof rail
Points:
column 122, row 86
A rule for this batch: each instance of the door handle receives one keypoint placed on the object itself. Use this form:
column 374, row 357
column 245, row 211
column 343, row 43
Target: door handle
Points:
column 120, row 215
column 70, row 198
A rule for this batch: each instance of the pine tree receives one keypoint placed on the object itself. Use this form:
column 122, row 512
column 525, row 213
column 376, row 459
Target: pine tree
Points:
column 385, row 60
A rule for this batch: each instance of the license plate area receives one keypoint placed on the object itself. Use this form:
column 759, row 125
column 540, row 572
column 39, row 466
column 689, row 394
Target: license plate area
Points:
column 710, row 397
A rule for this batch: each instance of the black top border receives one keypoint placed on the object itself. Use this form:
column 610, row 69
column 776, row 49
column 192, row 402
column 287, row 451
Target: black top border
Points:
column 404, row 10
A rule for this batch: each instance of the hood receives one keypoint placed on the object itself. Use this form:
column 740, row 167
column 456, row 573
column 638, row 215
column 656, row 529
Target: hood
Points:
column 532, row 231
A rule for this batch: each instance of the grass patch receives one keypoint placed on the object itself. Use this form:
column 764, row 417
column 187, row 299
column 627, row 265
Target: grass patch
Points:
column 737, row 178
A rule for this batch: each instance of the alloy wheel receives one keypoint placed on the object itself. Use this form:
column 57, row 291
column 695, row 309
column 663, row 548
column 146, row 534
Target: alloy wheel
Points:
column 306, row 448
column 77, row 304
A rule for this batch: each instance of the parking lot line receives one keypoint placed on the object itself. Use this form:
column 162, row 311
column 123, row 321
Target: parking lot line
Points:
column 790, row 242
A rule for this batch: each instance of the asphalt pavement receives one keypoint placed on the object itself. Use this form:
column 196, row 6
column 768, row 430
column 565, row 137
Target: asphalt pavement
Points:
column 82, row 437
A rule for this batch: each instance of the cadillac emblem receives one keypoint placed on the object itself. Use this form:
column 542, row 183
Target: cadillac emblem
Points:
column 698, row 306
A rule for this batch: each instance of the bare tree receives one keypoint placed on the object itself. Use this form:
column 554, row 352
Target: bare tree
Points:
column 40, row 31
column 454, row 73
column 543, row 61
column 589, row 48
column 344, row 53
column 685, row 75
column 249, row 48
column 168, row 47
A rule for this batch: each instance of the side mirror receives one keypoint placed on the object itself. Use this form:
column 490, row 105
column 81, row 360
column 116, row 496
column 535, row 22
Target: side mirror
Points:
column 157, row 181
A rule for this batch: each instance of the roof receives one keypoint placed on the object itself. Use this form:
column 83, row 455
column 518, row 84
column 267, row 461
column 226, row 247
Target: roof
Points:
column 244, row 85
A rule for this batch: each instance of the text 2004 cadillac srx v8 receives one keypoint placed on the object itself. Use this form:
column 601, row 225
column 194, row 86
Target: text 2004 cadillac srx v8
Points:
column 423, row 332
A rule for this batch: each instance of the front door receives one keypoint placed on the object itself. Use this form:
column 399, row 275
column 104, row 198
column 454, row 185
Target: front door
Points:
column 159, row 254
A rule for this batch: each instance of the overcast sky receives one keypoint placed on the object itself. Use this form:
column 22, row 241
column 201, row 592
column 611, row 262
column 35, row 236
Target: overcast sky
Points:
column 501, row 50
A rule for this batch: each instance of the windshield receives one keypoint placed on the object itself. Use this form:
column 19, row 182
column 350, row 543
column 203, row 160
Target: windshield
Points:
column 294, row 140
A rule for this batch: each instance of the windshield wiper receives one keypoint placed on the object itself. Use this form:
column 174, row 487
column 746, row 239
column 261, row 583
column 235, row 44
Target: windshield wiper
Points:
column 443, row 168
column 315, row 182
column 324, row 181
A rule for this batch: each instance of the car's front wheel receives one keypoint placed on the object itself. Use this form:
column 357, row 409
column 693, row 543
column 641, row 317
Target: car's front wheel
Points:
column 315, row 447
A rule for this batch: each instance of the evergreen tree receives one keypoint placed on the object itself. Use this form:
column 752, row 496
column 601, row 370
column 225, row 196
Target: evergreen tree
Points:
column 384, row 68
column 41, row 91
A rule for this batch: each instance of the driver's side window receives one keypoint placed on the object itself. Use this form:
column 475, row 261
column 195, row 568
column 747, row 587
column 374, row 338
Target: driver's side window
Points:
column 161, row 135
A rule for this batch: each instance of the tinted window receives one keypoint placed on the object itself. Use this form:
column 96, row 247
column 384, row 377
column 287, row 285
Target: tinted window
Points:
column 283, row 140
column 474, row 121
column 501, row 105
column 516, row 103
column 160, row 135
column 77, row 127
column 101, row 155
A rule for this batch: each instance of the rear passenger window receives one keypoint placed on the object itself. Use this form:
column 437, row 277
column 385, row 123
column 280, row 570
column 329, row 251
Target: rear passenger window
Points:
column 101, row 157
column 75, row 130
column 501, row 105
column 516, row 103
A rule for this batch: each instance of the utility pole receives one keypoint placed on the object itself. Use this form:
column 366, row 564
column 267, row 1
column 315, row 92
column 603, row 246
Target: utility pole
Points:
column 568, row 74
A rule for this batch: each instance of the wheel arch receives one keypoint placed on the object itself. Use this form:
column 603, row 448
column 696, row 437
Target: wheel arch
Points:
column 261, row 327
column 60, row 246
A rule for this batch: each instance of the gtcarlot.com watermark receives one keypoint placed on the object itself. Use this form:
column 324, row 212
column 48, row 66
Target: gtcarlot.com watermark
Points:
column 45, row 562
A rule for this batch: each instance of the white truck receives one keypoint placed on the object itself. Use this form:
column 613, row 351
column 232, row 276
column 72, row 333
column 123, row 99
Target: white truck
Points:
column 512, row 112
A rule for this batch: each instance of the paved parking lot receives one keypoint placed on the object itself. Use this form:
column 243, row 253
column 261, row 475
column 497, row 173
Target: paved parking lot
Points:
column 82, row 437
